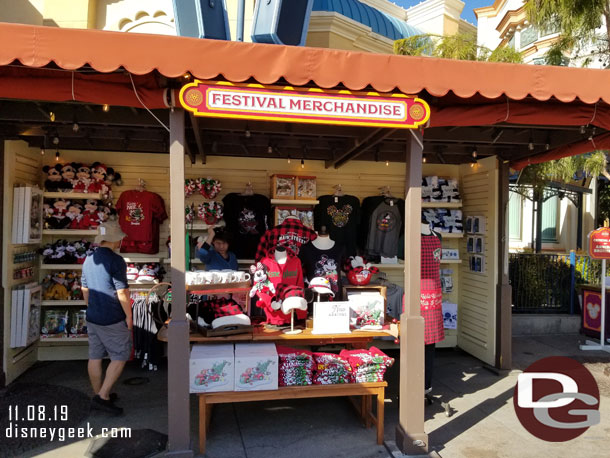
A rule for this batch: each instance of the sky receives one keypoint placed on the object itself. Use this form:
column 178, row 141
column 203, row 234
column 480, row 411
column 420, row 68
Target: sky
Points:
column 466, row 13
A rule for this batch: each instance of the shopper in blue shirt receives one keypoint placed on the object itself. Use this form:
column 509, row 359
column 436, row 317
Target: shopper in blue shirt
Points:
column 214, row 251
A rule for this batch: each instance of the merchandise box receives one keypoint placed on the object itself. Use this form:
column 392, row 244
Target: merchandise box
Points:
column 282, row 186
column 305, row 188
column 212, row 368
column 256, row 366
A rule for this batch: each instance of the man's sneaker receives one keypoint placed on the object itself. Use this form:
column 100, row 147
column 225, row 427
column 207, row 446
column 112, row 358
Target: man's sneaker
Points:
column 114, row 397
column 105, row 405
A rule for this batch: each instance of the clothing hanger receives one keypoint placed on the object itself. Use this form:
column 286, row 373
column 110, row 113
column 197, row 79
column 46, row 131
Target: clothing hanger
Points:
column 248, row 191
column 141, row 185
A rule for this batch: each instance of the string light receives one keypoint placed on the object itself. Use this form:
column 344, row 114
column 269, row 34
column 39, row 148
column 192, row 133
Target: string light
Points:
column 387, row 163
column 424, row 159
column 474, row 153
column 57, row 156
column 52, row 116
column 247, row 132
column 302, row 163
column 289, row 159
column 42, row 151
column 187, row 76
column 106, row 108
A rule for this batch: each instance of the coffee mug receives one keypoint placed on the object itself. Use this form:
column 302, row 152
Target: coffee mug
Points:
column 225, row 276
column 209, row 277
column 240, row 276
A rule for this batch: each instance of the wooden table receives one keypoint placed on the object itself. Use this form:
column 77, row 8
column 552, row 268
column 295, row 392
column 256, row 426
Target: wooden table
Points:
column 366, row 390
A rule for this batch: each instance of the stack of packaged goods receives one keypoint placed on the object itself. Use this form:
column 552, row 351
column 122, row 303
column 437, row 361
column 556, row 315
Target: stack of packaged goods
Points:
column 331, row 369
column 296, row 366
column 367, row 365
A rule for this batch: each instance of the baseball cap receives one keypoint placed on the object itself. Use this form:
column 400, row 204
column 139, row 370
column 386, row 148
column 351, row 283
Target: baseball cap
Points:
column 110, row 231
column 321, row 285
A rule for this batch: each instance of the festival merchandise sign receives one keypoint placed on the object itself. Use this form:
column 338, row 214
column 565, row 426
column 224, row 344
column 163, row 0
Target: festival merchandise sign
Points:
column 599, row 243
column 221, row 99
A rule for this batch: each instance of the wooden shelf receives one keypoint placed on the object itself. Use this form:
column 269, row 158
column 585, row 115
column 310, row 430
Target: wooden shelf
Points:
column 70, row 232
column 451, row 235
column 441, row 204
column 61, row 266
column 144, row 285
column 294, row 202
column 135, row 257
column 203, row 226
column 451, row 261
column 63, row 303
column 62, row 340
column 245, row 261
column 240, row 287
column 72, row 195
column 399, row 265
column 197, row 261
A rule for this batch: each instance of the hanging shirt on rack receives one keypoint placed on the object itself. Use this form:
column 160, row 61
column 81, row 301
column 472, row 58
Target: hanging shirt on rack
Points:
column 384, row 231
column 140, row 214
column 431, row 294
column 369, row 204
column 291, row 234
column 340, row 215
column 247, row 217
column 324, row 263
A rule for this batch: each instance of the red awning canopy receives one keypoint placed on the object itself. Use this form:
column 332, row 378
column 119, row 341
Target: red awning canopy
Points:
column 171, row 56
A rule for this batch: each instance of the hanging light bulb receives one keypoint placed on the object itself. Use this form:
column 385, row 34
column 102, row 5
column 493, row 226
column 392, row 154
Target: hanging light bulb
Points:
column 57, row 156
column 302, row 163
column 187, row 76
column 474, row 153
column 42, row 151
column 75, row 127
column 424, row 159
column 106, row 108
column 387, row 163
column 289, row 159
column 247, row 132
column 52, row 116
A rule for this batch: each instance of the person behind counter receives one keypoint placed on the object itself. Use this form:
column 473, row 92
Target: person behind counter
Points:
column 214, row 251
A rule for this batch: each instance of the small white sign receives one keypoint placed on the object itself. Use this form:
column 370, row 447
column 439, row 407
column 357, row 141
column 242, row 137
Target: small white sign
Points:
column 331, row 318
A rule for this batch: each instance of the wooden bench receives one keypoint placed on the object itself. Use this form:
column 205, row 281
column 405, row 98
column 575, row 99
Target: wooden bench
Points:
column 364, row 408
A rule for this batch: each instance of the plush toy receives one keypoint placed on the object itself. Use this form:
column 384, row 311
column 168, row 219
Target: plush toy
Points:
column 132, row 272
column 262, row 286
column 68, row 173
column 53, row 182
column 148, row 273
column 112, row 177
column 58, row 218
column 57, row 291
column 80, row 251
column 75, row 213
column 83, row 178
column 98, row 179
column 90, row 216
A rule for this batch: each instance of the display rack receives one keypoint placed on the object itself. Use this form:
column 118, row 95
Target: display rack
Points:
column 61, row 266
column 295, row 202
column 222, row 288
column 72, row 195
column 70, row 232
column 457, row 204
column 75, row 303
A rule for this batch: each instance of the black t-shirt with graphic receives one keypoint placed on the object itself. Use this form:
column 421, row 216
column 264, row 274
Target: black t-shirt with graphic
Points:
column 247, row 218
column 340, row 215
column 323, row 263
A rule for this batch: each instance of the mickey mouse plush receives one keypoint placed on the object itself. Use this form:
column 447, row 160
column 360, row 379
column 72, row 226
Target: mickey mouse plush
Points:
column 68, row 173
column 98, row 178
column 53, row 183
column 90, row 216
column 75, row 213
column 59, row 218
column 83, row 178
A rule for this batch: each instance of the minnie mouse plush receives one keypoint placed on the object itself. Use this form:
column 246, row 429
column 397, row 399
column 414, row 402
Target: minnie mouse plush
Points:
column 98, row 178
column 83, row 178
column 58, row 218
column 90, row 217
column 75, row 213
column 262, row 286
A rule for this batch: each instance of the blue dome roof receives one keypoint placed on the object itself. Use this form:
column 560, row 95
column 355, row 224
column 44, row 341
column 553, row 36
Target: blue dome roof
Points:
column 380, row 22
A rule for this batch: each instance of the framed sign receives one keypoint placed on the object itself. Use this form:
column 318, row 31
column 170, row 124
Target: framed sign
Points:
column 331, row 317
column 599, row 243
column 222, row 99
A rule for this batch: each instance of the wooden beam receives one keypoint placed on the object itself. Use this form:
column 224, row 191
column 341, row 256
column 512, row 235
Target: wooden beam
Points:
column 198, row 139
column 178, row 330
column 360, row 146
column 410, row 436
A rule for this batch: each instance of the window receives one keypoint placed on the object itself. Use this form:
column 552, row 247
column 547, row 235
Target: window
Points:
column 550, row 219
column 528, row 36
column 515, row 210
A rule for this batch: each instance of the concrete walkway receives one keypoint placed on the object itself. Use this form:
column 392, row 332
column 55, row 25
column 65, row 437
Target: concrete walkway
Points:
column 483, row 423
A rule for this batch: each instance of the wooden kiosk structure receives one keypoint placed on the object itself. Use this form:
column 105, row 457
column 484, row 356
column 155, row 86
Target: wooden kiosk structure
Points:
column 510, row 114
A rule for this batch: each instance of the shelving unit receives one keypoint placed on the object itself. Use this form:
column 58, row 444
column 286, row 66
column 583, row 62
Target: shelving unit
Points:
column 451, row 261
column 79, row 303
column 441, row 204
column 400, row 265
column 72, row 195
column 204, row 226
column 69, row 232
column 62, row 340
column 452, row 235
column 61, row 266
column 294, row 202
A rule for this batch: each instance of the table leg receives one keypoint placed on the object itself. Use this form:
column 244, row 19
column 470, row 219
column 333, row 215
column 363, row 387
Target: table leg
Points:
column 202, row 423
column 363, row 412
column 380, row 415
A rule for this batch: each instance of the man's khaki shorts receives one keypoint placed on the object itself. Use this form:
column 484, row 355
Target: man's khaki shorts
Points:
column 113, row 340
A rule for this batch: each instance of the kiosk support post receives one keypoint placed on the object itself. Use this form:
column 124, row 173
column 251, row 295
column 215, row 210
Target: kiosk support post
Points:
column 178, row 332
column 410, row 436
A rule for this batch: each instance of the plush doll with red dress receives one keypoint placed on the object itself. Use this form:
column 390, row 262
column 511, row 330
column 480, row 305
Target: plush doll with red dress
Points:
column 75, row 213
column 90, row 217
column 98, row 179
column 262, row 286
column 83, row 178
column 58, row 219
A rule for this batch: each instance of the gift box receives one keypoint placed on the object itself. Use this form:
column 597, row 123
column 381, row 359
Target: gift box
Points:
column 305, row 188
column 282, row 186
column 256, row 366
column 212, row 368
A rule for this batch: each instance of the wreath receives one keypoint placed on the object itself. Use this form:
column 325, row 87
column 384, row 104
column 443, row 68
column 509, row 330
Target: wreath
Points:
column 209, row 187
column 210, row 212
column 189, row 212
column 190, row 186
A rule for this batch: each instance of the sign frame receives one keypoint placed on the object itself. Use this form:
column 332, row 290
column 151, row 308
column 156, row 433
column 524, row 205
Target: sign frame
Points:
column 593, row 243
column 205, row 98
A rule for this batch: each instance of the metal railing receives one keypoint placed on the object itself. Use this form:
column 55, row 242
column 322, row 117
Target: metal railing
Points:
column 546, row 283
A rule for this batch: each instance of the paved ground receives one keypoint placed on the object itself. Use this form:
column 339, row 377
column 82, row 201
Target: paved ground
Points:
column 483, row 424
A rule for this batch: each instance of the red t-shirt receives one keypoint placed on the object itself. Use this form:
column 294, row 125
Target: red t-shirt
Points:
column 140, row 213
